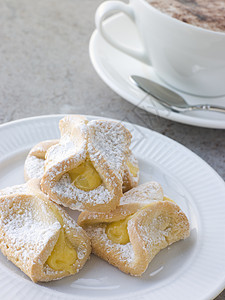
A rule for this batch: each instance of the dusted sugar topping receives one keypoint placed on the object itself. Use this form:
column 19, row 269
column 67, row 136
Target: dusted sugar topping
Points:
column 16, row 189
column 60, row 152
column 72, row 141
column 64, row 188
column 107, row 141
column 165, row 226
column 34, row 167
column 157, row 233
column 55, row 169
column 145, row 193
column 126, row 253
column 208, row 14
column 24, row 228
column 132, row 165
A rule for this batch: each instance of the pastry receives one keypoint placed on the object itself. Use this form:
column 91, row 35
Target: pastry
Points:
column 38, row 236
column 86, row 168
column 35, row 161
column 130, row 236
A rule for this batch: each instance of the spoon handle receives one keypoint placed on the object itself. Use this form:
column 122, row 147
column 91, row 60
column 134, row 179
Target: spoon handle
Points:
column 208, row 107
column 205, row 107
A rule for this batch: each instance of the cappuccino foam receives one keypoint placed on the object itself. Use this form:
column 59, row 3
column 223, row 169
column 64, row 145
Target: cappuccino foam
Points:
column 208, row 14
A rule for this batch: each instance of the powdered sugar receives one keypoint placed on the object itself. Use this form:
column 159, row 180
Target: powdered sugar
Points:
column 126, row 253
column 132, row 159
column 65, row 188
column 154, row 235
column 108, row 139
column 34, row 167
column 23, row 228
column 16, row 189
column 60, row 152
column 145, row 193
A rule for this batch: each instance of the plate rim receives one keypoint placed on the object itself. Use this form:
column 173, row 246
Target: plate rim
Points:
column 214, row 292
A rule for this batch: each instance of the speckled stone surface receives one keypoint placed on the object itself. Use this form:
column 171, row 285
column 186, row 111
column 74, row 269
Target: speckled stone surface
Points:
column 45, row 69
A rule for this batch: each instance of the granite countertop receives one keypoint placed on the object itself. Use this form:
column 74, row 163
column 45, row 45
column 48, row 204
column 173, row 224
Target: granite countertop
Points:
column 45, row 69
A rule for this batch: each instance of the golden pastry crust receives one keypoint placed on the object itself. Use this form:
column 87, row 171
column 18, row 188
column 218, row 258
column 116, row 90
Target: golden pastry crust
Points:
column 105, row 144
column 130, row 180
column 29, row 230
column 154, row 224
column 35, row 161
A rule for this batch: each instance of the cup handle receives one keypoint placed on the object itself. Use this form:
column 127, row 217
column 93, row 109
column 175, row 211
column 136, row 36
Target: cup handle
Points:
column 105, row 10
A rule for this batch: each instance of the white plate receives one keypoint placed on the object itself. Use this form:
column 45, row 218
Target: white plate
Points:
column 115, row 67
column 190, row 269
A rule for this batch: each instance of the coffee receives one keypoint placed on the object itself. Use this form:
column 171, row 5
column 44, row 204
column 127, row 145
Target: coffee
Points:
column 208, row 14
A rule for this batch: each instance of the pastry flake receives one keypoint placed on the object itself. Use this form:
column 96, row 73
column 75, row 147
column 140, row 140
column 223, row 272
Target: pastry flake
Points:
column 38, row 236
column 85, row 170
column 143, row 224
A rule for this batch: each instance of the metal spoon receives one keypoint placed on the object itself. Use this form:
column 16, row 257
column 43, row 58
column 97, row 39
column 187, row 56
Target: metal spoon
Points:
column 169, row 98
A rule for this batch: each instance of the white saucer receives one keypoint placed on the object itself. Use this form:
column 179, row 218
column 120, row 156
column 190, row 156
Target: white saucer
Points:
column 115, row 67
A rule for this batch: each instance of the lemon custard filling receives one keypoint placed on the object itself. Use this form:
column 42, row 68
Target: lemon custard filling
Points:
column 85, row 177
column 63, row 255
column 117, row 231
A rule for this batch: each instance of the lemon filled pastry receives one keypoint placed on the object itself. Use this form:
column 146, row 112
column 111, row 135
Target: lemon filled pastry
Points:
column 38, row 236
column 144, row 223
column 89, row 167
column 34, row 166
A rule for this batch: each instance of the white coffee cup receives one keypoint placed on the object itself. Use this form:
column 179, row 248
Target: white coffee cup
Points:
column 187, row 57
